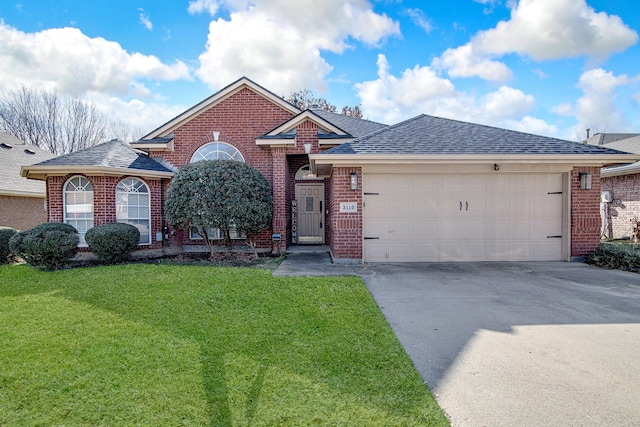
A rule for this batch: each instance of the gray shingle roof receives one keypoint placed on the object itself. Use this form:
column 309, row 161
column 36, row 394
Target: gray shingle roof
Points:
column 608, row 138
column 13, row 154
column 113, row 154
column 430, row 135
column 353, row 126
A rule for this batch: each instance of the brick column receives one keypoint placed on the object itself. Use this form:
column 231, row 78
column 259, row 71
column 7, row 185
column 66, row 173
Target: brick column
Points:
column 585, row 213
column 280, row 182
column 345, row 228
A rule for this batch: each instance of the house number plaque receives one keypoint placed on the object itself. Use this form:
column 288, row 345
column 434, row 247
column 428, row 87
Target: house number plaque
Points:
column 348, row 207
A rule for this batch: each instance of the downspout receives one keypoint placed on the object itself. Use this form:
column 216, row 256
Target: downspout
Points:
column 165, row 234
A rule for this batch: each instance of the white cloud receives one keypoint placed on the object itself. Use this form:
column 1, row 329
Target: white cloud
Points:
column 463, row 61
column 556, row 29
column 420, row 19
column 390, row 99
column 200, row 6
column 507, row 102
column 541, row 30
column 144, row 19
column 148, row 115
column 595, row 109
column 279, row 43
column 70, row 62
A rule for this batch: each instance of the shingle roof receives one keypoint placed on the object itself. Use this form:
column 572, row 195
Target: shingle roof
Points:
column 13, row 154
column 430, row 135
column 608, row 138
column 112, row 154
column 353, row 126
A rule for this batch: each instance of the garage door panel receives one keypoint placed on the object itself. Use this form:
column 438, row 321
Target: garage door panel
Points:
column 496, row 217
column 401, row 207
column 376, row 227
column 375, row 251
column 425, row 207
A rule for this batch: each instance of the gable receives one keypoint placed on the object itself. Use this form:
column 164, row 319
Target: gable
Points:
column 241, row 84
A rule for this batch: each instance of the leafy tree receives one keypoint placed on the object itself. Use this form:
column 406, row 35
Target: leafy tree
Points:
column 305, row 99
column 220, row 194
column 57, row 124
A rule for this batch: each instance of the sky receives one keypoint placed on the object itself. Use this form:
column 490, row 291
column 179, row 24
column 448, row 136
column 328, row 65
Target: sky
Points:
column 549, row 67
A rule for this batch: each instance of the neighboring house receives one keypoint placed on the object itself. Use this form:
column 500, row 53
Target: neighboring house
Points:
column 22, row 201
column 427, row 189
column 620, row 185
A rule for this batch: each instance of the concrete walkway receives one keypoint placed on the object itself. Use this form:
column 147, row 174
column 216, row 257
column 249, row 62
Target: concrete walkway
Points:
column 313, row 261
column 512, row 344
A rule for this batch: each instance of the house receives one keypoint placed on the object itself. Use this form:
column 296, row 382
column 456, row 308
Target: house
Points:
column 427, row 189
column 22, row 201
column 620, row 185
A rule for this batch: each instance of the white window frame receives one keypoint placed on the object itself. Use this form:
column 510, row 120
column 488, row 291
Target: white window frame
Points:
column 217, row 151
column 130, row 186
column 83, row 188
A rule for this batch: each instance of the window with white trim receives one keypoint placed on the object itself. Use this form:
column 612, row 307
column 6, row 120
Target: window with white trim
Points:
column 133, row 206
column 305, row 173
column 78, row 205
column 217, row 151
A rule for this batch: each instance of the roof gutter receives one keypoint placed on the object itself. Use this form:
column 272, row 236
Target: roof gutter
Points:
column 42, row 172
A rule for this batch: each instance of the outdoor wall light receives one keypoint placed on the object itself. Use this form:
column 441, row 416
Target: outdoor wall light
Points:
column 496, row 167
column 354, row 180
column 585, row 181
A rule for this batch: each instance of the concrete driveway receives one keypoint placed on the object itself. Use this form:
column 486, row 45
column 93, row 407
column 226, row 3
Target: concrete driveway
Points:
column 519, row 344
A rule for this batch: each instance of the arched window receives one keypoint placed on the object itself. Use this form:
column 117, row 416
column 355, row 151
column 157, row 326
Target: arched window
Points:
column 305, row 173
column 133, row 206
column 217, row 151
column 78, row 205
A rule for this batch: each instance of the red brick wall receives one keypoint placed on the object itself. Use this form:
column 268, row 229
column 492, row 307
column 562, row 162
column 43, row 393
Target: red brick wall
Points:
column 240, row 119
column 625, row 191
column 22, row 213
column 585, row 213
column 345, row 229
column 104, row 202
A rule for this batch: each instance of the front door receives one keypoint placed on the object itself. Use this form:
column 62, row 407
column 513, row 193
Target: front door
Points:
column 310, row 201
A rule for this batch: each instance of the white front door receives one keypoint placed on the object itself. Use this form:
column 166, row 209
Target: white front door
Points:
column 310, row 203
column 475, row 217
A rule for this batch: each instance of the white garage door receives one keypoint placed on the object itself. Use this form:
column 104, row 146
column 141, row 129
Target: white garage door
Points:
column 497, row 217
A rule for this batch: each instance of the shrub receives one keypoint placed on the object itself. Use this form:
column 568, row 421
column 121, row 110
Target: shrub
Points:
column 47, row 246
column 113, row 242
column 616, row 256
column 6, row 233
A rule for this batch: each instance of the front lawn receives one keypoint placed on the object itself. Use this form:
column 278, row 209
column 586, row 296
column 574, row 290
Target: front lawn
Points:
column 172, row 345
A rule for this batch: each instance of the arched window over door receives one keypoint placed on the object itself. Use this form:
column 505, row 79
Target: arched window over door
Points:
column 305, row 173
column 133, row 206
column 78, row 205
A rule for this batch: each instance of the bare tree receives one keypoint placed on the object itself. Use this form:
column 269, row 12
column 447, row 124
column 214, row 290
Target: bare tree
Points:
column 305, row 99
column 57, row 124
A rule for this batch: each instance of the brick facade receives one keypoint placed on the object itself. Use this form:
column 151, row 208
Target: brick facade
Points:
column 345, row 228
column 245, row 115
column 22, row 213
column 585, row 213
column 104, row 202
column 625, row 204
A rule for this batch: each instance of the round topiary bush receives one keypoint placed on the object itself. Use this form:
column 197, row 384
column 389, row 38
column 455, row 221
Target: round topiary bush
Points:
column 113, row 242
column 6, row 233
column 47, row 246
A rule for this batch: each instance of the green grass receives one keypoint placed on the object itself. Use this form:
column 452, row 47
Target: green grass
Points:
column 173, row 345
